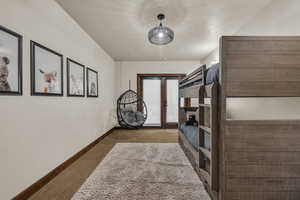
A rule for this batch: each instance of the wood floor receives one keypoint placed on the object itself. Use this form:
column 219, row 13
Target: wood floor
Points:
column 69, row 181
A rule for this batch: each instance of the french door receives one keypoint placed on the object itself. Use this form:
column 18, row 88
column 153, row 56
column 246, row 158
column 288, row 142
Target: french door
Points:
column 160, row 93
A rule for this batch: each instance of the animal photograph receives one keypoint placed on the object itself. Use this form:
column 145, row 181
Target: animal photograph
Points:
column 10, row 62
column 46, row 71
column 92, row 83
column 75, row 78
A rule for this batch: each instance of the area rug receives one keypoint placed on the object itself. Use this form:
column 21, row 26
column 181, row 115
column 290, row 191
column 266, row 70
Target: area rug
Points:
column 143, row 171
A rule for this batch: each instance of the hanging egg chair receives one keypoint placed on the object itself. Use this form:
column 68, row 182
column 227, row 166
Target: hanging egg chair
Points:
column 131, row 110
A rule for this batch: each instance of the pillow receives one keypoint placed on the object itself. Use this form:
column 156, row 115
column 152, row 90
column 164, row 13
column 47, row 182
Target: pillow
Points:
column 212, row 74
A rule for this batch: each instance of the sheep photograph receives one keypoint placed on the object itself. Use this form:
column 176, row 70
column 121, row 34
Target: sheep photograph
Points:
column 47, row 71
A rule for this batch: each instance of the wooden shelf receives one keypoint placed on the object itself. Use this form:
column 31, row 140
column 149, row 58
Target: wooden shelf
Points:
column 206, row 129
column 206, row 152
column 193, row 109
column 205, row 105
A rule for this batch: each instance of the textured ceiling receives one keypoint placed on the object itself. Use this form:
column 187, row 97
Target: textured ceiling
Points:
column 120, row 27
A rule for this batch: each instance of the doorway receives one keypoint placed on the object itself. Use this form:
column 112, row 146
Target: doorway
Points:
column 160, row 93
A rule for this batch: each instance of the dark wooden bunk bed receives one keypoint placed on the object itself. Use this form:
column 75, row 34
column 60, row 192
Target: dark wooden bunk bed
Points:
column 202, row 156
column 247, row 159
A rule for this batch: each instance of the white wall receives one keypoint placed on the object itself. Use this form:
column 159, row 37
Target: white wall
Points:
column 211, row 58
column 39, row 133
column 279, row 108
column 278, row 18
column 129, row 70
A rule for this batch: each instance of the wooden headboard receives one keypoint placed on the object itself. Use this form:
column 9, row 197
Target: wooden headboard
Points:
column 260, row 66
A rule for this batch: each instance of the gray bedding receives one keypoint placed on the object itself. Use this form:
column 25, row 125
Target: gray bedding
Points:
column 191, row 134
column 212, row 74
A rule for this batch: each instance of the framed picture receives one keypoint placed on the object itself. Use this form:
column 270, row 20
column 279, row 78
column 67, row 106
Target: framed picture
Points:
column 75, row 78
column 92, row 83
column 46, row 71
column 10, row 62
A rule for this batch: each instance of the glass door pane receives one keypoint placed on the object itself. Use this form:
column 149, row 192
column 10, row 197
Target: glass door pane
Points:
column 172, row 101
column 152, row 98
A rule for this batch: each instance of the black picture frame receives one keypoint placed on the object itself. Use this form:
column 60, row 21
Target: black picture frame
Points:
column 34, row 44
column 69, row 60
column 89, row 70
column 19, row 37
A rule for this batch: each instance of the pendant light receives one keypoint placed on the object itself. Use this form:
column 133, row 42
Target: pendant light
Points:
column 160, row 35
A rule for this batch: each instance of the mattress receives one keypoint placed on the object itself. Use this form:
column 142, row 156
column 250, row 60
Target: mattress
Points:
column 191, row 134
